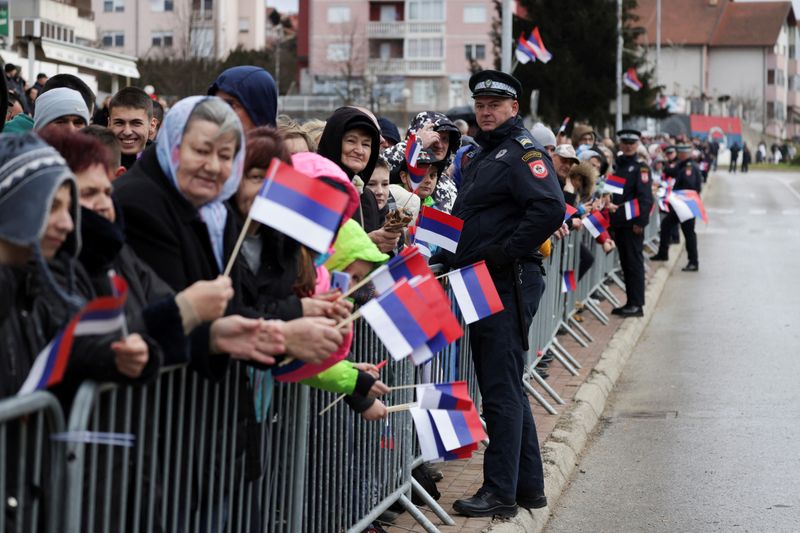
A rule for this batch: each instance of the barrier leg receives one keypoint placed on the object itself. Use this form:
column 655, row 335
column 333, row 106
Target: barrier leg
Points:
column 572, row 361
column 574, row 335
column 548, row 389
column 563, row 361
column 616, row 279
column 596, row 311
column 417, row 515
column 538, row 397
column 609, row 296
column 574, row 323
column 432, row 504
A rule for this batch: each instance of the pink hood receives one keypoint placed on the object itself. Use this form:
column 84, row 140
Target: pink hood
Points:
column 316, row 166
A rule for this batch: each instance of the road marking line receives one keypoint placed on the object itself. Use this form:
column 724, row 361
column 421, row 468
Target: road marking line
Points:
column 758, row 211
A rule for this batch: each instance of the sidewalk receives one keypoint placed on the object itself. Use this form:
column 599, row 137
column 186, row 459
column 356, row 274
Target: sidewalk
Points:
column 464, row 478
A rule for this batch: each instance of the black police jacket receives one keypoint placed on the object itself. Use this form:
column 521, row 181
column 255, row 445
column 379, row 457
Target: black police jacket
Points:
column 687, row 176
column 638, row 186
column 510, row 199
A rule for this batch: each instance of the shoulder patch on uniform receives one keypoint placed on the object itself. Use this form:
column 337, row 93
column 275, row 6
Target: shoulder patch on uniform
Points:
column 645, row 175
column 527, row 156
column 538, row 168
column 501, row 153
column 524, row 141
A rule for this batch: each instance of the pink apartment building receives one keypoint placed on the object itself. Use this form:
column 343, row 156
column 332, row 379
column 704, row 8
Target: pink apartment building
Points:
column 392, row 54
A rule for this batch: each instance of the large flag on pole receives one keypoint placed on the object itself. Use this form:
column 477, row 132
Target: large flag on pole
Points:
column 524, row 51
column 100, row 316
column 536, row 42
column 632, row 80
column 306, row 209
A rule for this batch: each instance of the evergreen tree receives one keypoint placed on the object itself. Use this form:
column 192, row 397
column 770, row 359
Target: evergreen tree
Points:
column 580, row 80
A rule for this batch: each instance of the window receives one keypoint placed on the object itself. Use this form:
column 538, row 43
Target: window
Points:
column 338, row 14
column 161, row 39
column 424, row 49
column 338, row 52
column 775, row 77
column 385, row 51
column 113, row 6
column 424, row 91
column 388, row 14
column 161, row 5
column 475, row 51
column 474, row 14
column 114, row 39
column 202, row 41
column 244, row 25
column 425, row 10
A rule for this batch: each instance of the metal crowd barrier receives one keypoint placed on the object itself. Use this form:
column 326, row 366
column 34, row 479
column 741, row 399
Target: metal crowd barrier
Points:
column 31, row 476
column 241, row 454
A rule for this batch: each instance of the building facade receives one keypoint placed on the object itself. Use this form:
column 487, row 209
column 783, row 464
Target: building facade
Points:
column 390, row 54
column 723, row 57
column 180, row 28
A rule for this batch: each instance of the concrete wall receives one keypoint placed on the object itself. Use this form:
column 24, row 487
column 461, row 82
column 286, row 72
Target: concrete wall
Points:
column 680, row 69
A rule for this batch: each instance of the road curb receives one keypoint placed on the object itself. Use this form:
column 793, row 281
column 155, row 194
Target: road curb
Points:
column 562, row 449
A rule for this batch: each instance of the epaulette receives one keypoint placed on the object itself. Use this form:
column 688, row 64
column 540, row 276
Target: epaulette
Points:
column 524, row 141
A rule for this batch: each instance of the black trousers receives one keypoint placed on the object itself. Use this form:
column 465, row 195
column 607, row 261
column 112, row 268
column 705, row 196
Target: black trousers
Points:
column 629, row 246
column 667, row 225
column 512, row 463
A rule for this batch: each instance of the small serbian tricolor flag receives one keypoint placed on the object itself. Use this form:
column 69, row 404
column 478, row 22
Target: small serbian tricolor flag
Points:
column 632, row 80
column 614, row 184
column 596, row 223
column 438, row 228
column 435, row 298
column 409, row 263
column 524, row 51
column 401, row 320
column 475, row 292
column 413, row 150
column 568, row 282
column 447, row 396
column 100, row 316
column 570, row 211
column 687, row 205
column 564, row 124
column 306, row 209
column 631, row 209
column 537, row 44
column 446, row 434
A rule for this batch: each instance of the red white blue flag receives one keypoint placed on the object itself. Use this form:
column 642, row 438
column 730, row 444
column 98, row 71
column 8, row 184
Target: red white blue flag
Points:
column 614, row 184
column 413, row 150
column 401, row 320
column 435, row 298
column 596, row 223
column 447, row 434
column 687, row 205
column 632, row 80
column 306, row 209
column 564, row 125
column 570, row 211
column 447, row 396
column 438, row 228
column 537, row 44
column 568, row 283
column 101, row 316
column 409, row 263
column 631, row 209
column 524, row 51
column 475, row 292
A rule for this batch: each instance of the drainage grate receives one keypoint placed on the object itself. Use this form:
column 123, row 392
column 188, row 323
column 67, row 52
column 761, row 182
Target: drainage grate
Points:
column 662, row 415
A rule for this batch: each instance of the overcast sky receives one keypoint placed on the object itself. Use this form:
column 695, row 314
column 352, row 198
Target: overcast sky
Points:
column 290, row 6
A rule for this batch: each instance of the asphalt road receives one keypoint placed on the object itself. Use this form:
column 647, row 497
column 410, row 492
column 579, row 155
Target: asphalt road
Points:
column 702, row 432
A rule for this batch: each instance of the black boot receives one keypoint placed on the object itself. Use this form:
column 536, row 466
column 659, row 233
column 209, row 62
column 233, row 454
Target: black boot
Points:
column 484, row 503
column 691, row 267
column 659, row 257
column 628, row 311
column 532, row 500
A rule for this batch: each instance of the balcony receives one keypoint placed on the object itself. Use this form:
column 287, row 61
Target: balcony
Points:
column 400, row 29
column 793, row 67
column 407, row 67
column 793, row 99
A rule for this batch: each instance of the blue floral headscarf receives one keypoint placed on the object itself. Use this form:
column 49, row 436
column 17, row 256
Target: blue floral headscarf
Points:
column 168, row 144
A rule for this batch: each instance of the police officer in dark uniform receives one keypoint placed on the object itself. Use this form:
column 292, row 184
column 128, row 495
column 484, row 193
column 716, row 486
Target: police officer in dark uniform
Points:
column 687, row 175
column 511, row 202
column 629, row 234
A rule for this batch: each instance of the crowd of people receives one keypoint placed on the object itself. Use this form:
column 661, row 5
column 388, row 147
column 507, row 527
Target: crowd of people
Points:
column 159, row 196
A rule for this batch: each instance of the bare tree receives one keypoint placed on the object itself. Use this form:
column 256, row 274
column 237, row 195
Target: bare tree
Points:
column 352, row 66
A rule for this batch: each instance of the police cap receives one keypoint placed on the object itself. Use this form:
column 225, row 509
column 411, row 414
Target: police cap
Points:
column 629, row 135
column 684, row 148
column 495, row 83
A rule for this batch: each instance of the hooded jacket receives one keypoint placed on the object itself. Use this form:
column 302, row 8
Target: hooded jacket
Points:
column 255, row 89
column 341, row 121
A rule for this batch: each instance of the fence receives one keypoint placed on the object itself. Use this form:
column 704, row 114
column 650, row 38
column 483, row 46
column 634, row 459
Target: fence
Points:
column 242, row 455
